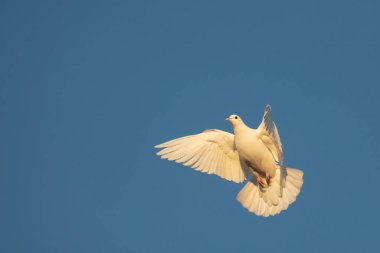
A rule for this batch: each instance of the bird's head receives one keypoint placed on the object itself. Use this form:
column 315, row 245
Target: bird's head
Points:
column 235, row 120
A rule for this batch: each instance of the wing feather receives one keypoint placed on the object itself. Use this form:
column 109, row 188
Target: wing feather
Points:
column 211, row 151
column 270, row 136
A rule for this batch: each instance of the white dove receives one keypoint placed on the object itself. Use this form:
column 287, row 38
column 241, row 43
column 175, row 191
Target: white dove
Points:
column 257, row 152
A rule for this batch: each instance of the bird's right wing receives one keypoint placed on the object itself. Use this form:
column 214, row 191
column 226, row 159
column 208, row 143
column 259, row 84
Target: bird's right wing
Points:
column 211, row 151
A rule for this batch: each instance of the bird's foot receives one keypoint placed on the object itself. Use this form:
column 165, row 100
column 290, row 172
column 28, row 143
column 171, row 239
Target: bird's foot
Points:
column 263, row 182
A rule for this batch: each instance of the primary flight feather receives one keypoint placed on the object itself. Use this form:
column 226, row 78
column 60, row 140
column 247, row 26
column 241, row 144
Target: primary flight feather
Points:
column 253, row 154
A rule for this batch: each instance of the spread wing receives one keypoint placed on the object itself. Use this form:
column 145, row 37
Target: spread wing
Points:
column 270, row 136
column 211, row 151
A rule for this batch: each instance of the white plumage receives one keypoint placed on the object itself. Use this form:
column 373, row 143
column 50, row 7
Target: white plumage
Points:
column 254, row 154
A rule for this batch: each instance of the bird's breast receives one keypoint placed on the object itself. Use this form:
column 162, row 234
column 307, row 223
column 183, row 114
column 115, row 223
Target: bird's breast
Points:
column 254, row 151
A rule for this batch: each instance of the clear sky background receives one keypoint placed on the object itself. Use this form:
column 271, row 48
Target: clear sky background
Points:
column 87, row 88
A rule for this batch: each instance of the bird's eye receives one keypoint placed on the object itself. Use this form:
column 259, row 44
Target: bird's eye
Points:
column 236, row 117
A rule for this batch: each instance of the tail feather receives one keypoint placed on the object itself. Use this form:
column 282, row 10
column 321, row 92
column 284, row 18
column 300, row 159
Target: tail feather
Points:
column 282, row 191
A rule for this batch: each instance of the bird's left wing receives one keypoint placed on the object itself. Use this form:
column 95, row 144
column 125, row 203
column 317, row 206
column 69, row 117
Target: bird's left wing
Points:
column 270, row 136
column 211, row 151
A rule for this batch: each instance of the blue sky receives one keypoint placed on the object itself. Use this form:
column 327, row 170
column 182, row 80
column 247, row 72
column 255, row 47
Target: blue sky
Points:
column 87, row 88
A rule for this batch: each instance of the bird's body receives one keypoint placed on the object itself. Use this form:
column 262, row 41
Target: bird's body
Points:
column 254, row 154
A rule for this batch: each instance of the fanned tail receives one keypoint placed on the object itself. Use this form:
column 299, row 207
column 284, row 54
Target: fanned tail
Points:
column 282, row 191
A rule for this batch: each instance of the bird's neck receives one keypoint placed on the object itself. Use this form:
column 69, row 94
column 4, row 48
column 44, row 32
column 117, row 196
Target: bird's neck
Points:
column 238, row 128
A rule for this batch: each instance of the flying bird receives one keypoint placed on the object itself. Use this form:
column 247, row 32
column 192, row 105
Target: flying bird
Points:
column 252, row 154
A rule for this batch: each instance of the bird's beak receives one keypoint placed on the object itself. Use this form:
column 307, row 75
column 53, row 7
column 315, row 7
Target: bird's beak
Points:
column 227, row 118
